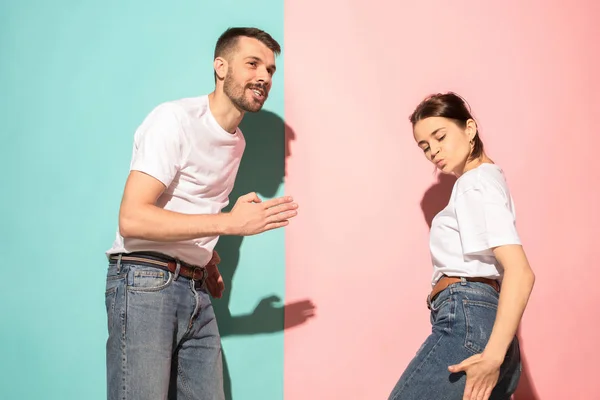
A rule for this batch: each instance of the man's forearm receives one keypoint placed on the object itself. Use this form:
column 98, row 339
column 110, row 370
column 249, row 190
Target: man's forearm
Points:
column 149, row 222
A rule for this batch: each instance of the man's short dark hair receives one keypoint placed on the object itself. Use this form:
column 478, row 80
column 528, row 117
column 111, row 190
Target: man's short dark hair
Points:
column 228, row 40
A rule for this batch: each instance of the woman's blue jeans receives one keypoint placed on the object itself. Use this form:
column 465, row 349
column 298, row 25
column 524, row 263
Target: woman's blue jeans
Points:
column 462, row 318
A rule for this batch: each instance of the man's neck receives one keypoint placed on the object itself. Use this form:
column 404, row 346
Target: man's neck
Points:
column 228, row 116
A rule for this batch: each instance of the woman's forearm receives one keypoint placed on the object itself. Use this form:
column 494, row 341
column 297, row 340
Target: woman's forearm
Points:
column 517, row 285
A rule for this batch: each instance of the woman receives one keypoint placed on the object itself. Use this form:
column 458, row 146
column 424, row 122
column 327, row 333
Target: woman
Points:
column 481, row 277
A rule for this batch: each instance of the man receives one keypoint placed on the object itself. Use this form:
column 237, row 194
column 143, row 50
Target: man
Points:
column 163, row 337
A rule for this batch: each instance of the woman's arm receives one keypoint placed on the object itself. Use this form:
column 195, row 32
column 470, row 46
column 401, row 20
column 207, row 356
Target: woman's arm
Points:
column 483, row 369
column 517, row 285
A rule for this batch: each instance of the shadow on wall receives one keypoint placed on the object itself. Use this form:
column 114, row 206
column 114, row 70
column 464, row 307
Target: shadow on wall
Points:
column 435, row 200
column 262, row 171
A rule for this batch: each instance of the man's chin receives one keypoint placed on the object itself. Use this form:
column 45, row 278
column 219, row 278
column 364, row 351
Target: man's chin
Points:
column 255, row 106
column 249, row 104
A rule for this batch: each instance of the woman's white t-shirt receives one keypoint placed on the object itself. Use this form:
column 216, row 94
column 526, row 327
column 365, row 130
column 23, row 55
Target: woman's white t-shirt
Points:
column 479, row 217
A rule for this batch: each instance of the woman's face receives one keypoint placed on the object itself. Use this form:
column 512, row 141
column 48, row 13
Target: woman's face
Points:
column 445, row 143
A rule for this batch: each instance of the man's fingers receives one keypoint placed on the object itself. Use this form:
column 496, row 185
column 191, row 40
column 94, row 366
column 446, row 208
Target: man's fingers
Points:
column 210, row 286
column 275, row 225
column 216, row 259
column 283, row 216
column 213, row 288
column 250, row 198
column 277, row 201
column 281, row 208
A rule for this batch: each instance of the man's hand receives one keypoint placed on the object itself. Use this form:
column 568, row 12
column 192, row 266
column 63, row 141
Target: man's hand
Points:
column 482, row 376
column 214, row 280
column 251, row 216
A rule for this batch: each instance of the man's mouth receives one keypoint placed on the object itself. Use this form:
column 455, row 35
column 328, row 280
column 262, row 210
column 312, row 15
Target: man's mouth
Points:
column 259, row 94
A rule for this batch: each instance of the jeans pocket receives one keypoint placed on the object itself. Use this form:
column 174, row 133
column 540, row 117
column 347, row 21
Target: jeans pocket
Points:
column 148, row 279
column 479, row 320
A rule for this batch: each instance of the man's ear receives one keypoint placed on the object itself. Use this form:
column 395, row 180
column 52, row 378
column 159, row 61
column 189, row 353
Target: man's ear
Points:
column 220, row 66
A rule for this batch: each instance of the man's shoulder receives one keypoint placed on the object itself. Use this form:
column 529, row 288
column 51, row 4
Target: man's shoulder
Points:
column 190, row 106
column 187, row 107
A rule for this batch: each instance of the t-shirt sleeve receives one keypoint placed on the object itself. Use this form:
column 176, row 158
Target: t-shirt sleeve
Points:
column 159, row 145
column 485, row 219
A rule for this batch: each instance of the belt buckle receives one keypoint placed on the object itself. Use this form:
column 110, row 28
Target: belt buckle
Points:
column 193, row 277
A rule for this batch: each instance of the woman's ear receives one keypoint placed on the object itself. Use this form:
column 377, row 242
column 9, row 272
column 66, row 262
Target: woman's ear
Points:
column 471, row 129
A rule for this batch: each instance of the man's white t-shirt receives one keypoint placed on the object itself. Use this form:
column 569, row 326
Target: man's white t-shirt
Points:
column 181, row 144
column 479, row 217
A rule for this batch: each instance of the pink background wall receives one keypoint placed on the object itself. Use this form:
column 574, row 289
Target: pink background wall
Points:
column 354, row 72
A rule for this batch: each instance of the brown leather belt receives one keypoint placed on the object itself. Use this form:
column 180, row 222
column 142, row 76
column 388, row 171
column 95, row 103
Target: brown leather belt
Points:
column 446, row 281
column 162, row 261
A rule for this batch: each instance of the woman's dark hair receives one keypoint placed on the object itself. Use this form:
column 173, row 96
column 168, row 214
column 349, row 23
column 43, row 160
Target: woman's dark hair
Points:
column 452, row 106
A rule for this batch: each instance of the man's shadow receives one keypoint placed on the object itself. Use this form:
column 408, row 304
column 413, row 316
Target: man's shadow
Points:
column 434, row 200
column 262, row 170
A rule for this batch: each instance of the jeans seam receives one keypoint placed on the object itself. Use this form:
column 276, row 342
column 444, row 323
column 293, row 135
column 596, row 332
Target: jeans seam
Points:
column 123, row 318
column 451, row 316
column 110, row 297
column 184, row 386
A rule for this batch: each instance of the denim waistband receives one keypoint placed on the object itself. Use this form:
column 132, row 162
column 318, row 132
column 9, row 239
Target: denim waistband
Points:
column 479, row 289
column 153, row 256
column 124, row 267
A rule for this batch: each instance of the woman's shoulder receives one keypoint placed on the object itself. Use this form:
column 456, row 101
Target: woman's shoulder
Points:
column 486, row 177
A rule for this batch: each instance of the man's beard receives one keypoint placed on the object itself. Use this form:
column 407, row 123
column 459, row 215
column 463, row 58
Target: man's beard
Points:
column 237, row 94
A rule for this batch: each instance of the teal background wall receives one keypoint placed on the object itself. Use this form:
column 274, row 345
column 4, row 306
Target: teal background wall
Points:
column 76, row 79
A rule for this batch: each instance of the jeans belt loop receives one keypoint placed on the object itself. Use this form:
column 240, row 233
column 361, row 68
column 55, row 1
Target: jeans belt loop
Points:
column 177, row 269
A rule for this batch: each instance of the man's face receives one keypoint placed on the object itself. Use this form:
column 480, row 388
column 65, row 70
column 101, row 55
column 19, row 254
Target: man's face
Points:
column 251, row 66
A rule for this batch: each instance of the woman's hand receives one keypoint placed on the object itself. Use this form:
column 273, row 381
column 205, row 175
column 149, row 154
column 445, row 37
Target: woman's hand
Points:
column 482, row 376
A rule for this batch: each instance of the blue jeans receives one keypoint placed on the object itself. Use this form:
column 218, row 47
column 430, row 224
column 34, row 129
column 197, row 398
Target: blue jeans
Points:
column 163, row 341
column 462, row 317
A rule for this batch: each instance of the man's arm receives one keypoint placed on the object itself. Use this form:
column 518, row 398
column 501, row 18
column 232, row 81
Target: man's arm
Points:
column 140, row 218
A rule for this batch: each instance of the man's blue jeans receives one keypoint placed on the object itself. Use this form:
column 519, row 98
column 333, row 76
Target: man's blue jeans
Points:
column 462, row 318
column 163, row 340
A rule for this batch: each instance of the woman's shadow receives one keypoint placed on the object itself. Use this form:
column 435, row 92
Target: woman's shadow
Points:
column 262, row 170
column 435, row 200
